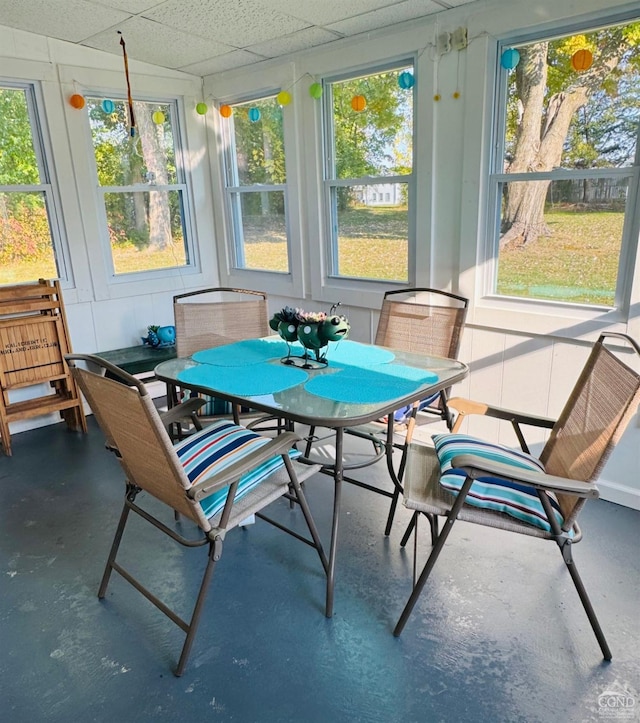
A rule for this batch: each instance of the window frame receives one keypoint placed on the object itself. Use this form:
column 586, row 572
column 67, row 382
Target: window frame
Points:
column 330, row 182
column 233, row 190
column 541, row 316
column 48, row 186
column 191, row 249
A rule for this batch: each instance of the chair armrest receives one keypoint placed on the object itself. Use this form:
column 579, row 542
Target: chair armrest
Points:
column 279, row 445
column 468, row 406
column 181, row 411
column 476, row 467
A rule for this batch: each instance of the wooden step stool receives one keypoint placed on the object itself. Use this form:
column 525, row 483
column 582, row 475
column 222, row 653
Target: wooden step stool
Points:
column 33, row 341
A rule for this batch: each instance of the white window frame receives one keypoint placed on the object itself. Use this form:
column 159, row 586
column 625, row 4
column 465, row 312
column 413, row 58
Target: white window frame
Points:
column 181, row 186
column 47, row 186
column 477, row 269
column 330, row 184
column 233, row 189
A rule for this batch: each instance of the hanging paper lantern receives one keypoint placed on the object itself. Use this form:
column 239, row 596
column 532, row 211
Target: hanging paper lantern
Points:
column 315, row 90
column 254, row 114
column 358, row 103
column 226, row 111
column 582, row 59
column 201, row 108
column 510, row 58
column 283, row 97
column 406, row 80
column 158, row 117
column 76, row 101
column 108, row 106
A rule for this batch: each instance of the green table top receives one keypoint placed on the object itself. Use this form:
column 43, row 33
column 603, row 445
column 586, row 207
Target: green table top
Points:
column 140, row 358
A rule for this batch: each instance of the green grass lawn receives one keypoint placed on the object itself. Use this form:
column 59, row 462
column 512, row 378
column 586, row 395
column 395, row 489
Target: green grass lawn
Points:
column 578, row 262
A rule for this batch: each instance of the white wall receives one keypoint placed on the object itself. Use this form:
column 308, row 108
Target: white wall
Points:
column 521, row 359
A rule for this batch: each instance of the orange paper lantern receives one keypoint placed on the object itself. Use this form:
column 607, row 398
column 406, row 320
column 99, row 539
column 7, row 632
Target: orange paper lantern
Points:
column 582, row 59
column 226, row 111
column 76, row 101
column 358, row 103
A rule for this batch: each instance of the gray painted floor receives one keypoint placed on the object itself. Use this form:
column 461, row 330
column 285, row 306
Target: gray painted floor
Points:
column 499, row 634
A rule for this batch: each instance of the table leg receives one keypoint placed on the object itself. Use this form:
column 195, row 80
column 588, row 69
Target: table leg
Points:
column 337, row 480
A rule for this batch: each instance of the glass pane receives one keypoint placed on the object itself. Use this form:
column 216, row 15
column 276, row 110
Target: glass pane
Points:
column 576, row 254
column 18, row 164
column 26, row 248
column 259, row 142
column 262, row 238
column 574, row 102
column 121, row 159
column 145, row 230
column 378, row 140
column 372, row 233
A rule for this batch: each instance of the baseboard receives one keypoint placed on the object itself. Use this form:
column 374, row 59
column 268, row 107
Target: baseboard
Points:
column 620, row 494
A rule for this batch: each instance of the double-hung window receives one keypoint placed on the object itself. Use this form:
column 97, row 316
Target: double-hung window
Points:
column 255, row 186
column 369, row 173
column 30, row 241
column 141, row 183
column 564, row 182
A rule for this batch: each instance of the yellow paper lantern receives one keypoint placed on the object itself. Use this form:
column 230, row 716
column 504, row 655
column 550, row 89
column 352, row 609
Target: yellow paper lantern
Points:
column 358, row 103
column 283, row 97
column 76, row 101
column 158, row 117
column 226, row 111
column 582, row 59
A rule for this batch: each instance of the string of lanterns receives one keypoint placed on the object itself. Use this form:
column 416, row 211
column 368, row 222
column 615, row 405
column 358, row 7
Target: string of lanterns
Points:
column 581, row 60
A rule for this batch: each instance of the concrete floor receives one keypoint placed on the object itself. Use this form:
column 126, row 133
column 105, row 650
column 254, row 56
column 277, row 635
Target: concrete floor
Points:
column 498, row 635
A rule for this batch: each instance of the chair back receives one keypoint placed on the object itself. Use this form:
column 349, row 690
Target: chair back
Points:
column 228, row 315
column 426, row 321
column 595, row 416
column 126, row 414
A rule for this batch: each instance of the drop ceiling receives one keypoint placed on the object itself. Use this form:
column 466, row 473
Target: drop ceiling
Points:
column 208, row 36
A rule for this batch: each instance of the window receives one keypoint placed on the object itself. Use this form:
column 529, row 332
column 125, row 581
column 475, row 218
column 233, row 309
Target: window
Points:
column 30, row 244
column 369, row 137
column 565, row 171
column 141, row 184
column 256, row 186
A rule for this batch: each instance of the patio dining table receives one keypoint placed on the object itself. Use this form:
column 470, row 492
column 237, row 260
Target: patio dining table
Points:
column 360, row 383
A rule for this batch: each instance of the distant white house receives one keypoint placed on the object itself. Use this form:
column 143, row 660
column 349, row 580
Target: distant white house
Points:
column 383, row 194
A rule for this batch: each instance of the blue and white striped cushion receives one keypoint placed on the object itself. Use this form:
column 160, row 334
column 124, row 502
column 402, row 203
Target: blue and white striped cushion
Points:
column 518, row 500
column 402, row 415
column 218, row 446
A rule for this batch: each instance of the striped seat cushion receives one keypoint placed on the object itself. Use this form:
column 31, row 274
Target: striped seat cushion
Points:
column 215, row 448
column 518, row 500
column 402, row 415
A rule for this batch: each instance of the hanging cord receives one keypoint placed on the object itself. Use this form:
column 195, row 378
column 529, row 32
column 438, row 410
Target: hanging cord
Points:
column 132, row 118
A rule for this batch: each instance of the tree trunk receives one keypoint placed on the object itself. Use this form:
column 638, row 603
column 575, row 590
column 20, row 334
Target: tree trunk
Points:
column 154, row 158
column 539, row 146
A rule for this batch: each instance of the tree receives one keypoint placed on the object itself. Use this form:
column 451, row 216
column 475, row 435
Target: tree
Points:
column 546, row 93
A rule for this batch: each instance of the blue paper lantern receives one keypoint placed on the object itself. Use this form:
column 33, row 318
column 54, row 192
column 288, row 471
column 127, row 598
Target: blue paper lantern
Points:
column 510, row 58
column 108, row 106
column 254, row 115
column 406, row 80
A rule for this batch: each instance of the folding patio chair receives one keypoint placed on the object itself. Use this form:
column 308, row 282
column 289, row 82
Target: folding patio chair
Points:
column 217, row 478
column 465, row 478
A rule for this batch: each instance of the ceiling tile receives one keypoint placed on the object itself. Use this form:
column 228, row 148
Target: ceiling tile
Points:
column 324, row 12
column 303, row 39
column 158, row 44
column 71, row 20
column 240, row 23
column 235, row 59
column 384, row 17
column 130, row 6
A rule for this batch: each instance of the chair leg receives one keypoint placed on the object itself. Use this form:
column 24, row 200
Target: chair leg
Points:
column 567, row 555
column 114, row 551
column 215, row 552
column 433, row 557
